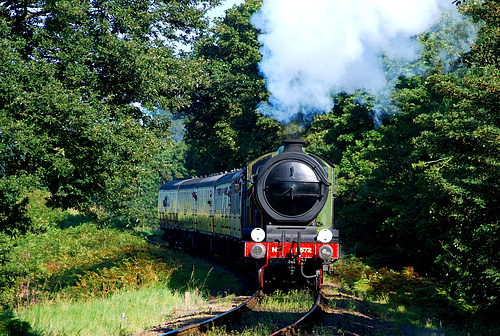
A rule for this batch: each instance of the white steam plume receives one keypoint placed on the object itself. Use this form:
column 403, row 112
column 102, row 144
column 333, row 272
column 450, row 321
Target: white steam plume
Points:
column 314, row 48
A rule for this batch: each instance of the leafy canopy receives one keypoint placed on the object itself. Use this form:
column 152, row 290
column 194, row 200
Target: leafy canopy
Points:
column 71, row 74
column 223, row 129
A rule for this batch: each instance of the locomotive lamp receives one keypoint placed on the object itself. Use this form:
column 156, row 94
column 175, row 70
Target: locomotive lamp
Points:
column 325, row 252
column 258, row 235
column 325, row 236
column 258, row 251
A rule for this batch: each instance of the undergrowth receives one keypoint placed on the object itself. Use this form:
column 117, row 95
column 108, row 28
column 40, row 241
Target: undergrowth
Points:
column 79, row 262
column 405, row 297
column 73, row 267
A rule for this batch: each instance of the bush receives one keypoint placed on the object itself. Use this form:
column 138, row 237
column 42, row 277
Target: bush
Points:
column 78, row 261
column 408, row 288
column 12, row 326
column 352, row 271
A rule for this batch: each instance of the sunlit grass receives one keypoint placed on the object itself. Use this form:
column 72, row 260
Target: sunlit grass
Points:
column 118, row 314
column 79, row 278
column 294, row 301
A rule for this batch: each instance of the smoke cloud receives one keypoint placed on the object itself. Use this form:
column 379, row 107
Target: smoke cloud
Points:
column 314, row 49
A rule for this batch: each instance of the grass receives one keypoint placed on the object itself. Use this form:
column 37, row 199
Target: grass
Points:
column 119, row 314
column 80, row 278
column 294, row 301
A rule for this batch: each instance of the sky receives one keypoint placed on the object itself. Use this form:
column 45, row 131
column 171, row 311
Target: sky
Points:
column 219, row 10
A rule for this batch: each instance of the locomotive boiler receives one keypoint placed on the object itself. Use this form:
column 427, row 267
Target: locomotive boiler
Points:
column 274, row 216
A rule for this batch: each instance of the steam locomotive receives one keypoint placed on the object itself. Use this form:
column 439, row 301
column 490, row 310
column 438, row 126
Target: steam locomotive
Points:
column 274, row 216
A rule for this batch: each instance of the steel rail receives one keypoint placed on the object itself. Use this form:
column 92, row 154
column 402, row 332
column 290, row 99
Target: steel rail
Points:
column 314, row 309
column 216, row 320
column 150, row 240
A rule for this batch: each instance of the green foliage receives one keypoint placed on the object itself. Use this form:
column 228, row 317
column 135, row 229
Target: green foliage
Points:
column 330, row 134
column 485, row 49
column 118, row 314
column 70, row 74
column 130, row 273
column 78, row 261
column 376, row 180
column 408, row 288
column 78, row 269
column 422, row 189
column 168, row 166
column 352, row 272
column 463, row 175
column 223, row 129
column 406, row 297
column 12, row 326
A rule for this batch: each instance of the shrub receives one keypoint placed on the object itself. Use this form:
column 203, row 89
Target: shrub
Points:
column 12, row 326
column 352, row 271
column 78, row 261
column 408, row 288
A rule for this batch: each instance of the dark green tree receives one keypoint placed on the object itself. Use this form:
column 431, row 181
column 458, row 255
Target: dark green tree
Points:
column 447, row 174
column 422, row 189
column 331, row 133
column 223, row 128
column 71, row 73
column 463, row 175
column 378, row 210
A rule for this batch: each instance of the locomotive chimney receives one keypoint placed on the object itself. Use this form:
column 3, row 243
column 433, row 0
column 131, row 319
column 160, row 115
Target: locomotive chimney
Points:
column 293, row 145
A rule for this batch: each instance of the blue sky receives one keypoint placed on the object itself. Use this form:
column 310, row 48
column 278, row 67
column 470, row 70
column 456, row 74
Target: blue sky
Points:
column 219, row 11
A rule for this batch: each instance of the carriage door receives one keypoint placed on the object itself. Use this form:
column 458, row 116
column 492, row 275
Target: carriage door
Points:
column 235, row 209
column 194, row 196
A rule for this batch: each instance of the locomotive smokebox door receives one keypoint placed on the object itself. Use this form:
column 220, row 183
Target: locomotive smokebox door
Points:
column 292, row 186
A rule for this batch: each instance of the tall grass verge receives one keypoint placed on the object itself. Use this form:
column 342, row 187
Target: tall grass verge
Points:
column 122, row 313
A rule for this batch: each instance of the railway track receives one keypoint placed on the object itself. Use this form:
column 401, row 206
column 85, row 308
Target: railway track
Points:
column 216, row 320
column 225, row 318
column 232, row 315
column 309, row 317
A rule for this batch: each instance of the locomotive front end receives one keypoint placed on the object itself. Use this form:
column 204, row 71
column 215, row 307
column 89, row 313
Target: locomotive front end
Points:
column 294, row 230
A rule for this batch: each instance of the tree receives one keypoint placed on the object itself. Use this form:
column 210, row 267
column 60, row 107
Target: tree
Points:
column 378, row 186
column 71, row 72
column 422, row 189
column 463, row 175
column 223, row 129
column 331, row 133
